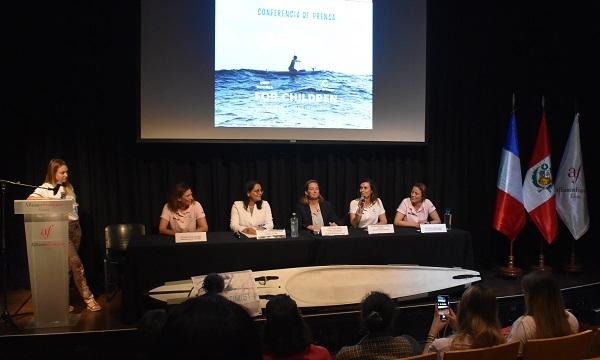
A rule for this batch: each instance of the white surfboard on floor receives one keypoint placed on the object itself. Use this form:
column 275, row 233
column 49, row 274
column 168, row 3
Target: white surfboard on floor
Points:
column 334, row 285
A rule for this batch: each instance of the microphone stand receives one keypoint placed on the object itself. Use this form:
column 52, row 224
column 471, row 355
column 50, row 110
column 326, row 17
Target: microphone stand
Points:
column 6, row 317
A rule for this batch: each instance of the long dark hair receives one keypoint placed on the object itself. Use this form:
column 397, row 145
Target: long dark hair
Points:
column 374, row 194
column 544, row 303
column 175, row 194
column 377, row 313
column 285, row 332
column 248, row 188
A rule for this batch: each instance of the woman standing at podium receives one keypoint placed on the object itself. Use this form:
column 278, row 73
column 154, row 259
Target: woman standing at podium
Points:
column 57, row 177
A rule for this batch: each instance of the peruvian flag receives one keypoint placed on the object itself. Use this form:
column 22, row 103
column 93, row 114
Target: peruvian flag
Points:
column 509, row 215
column 538, row 189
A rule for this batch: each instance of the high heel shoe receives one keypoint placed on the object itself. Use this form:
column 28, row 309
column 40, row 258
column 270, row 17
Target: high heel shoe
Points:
column 92, row 305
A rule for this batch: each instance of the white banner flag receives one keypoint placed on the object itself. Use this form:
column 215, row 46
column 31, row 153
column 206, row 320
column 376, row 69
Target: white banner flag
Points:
column 571, row 194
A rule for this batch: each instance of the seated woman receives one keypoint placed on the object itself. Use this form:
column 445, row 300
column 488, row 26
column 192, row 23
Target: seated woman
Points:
column 314, row 210
column 368, row 208
column 545, row 314
column 182, row 213
column 416, row 209
column 286, row 335
column 377, row 315
column 475, row 326
column 253, row 212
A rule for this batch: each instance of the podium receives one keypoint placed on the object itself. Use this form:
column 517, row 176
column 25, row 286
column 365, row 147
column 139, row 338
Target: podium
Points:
column 47, row 234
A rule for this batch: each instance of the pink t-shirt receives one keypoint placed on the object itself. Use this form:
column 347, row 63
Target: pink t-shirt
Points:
column 183, row 220
column 412, row 214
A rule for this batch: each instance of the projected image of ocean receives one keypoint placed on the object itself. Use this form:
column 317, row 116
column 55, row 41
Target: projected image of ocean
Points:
column 283, row 99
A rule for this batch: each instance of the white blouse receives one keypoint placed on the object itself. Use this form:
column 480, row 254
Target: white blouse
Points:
column 242, row 218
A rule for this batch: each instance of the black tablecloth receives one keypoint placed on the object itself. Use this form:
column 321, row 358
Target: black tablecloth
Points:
column 154, row 259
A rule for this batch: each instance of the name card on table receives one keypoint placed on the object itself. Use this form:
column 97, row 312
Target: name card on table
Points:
column 270, row 234
column 190, row 237
column 433, row 228
column 380, row 229
column 334, row 230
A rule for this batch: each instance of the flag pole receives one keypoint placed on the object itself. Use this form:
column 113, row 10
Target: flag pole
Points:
column 510, row 270
column 541, row 266
column 573, row 266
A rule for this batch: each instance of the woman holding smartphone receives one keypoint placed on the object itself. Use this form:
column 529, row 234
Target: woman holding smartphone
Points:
column 475, row 326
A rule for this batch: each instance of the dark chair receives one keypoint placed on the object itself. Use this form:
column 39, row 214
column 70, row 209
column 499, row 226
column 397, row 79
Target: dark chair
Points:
column 116, row 239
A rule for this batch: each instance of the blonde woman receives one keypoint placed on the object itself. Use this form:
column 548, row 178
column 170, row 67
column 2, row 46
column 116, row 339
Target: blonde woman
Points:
column 58, row 175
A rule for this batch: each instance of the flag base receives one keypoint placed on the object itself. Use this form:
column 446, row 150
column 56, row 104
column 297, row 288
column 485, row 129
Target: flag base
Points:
column 541, row 266
column 510, row 270
column 573, row 266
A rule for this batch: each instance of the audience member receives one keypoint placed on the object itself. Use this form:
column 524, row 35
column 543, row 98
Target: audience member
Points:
column 314, row 211
column 416, row 209
column 286, row 335
column 182, row 213
column 475, row 326
column 368, row 208
column 545, row 314
column 377, row 315
column 204, row 327
column 253, row 212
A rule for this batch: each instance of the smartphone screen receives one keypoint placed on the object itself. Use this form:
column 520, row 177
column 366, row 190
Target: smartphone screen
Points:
column 443, row 305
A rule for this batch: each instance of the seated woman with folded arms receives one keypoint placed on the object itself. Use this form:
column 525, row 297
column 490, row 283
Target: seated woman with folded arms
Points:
column 314, row 211
column 182, row 213
column 368, row 208
column 253, row 212
column 416, row 209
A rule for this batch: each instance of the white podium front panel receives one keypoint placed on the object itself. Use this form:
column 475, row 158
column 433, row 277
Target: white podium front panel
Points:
column 47, row 234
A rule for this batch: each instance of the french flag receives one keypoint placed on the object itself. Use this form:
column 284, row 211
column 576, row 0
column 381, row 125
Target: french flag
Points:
column 538, row 187
column 509, row 215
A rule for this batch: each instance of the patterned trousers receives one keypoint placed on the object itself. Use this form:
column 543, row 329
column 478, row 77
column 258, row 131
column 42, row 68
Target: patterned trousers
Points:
column 75, row 265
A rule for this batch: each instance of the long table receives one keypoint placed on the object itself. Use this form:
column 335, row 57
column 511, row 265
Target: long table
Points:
column 154, row 259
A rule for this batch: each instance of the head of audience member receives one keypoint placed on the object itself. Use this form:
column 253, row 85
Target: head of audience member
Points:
column 253, row 193
column 368, row 190
column 210, row 327
column 418, row 193
column 544, row 302
column 377, row 313
column 180, row 197
column 213, row 284
column 285, row 332
column 311, row 192
column 477, row 317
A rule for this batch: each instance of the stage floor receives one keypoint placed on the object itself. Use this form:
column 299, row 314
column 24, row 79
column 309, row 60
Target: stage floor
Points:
column 94, row 329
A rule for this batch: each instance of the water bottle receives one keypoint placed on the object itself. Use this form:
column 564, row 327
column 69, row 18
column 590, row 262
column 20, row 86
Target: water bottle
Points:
column 448, row 219
column 294, row 225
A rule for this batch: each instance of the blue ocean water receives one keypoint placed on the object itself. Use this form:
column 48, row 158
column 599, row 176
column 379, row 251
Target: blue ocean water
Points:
column 306, row 99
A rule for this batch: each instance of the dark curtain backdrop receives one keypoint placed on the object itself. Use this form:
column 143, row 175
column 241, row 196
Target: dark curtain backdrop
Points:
column 73, row 75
